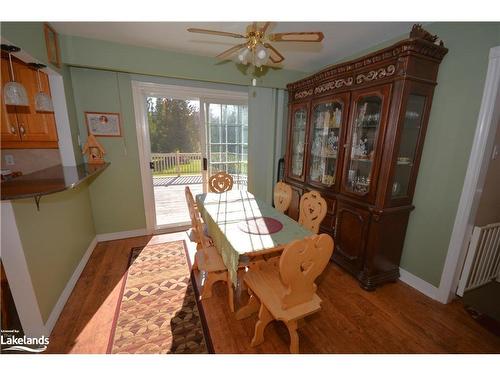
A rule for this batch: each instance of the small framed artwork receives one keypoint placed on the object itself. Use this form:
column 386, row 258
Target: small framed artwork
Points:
column 52, row 44
column 103, row 124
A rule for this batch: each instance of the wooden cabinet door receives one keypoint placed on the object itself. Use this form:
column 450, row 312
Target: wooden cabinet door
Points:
column 363, row 148
column 351, row 231
column 328, row 117
column 34, row 126
column 297, row 141
column 9, row 129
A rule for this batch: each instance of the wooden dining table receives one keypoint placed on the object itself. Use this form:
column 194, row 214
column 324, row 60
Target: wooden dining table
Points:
column 232, row 219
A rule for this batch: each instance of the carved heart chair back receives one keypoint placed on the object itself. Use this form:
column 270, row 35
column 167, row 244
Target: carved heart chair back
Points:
column 312, row 210
column 282, row 196
column 300, row 264
column 220, row 182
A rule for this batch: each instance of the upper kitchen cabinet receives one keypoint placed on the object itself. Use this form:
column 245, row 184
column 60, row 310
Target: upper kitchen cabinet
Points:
column 24, row 126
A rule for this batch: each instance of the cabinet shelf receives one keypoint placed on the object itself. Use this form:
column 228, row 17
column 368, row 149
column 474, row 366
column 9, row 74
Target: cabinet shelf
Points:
column 360, row 159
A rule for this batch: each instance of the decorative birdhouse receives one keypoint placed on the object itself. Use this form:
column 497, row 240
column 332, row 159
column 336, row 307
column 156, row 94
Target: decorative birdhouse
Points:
column 95, row 152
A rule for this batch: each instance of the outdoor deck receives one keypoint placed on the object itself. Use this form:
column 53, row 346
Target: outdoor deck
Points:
column 170, row 200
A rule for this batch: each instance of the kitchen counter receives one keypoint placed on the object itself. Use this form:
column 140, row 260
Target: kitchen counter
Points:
column 49, row 181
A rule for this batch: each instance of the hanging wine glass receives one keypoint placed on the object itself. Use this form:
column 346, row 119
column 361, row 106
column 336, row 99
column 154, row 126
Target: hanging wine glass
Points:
column 43, row 102
column 14, row 92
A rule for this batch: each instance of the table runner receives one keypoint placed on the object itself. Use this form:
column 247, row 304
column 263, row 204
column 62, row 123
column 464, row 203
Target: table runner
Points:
column 223, row 212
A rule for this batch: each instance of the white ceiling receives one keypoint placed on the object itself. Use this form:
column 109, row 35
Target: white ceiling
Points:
column 342, row 39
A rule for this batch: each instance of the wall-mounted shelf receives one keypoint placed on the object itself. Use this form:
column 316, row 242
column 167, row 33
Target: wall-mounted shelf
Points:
column 48, row 181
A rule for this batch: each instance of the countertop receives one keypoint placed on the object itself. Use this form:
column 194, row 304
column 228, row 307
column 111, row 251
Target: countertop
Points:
column 49, row 181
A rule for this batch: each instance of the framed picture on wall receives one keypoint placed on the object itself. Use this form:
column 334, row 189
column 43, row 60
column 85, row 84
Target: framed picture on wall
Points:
column 52, row 44
column 103, row 124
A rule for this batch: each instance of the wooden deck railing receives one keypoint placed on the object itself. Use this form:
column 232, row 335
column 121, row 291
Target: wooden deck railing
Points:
column 188, row 163
column 176, row 163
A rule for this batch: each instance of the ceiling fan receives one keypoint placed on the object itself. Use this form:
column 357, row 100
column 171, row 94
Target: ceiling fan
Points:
column 256, row 48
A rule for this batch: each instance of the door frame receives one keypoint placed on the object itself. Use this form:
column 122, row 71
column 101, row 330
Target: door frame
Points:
column 482, row 148
column 140, row 90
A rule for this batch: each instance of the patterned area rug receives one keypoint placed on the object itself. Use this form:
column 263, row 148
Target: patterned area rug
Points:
column 158, row 312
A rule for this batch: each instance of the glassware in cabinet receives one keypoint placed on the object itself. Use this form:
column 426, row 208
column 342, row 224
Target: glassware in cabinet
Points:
column 363, row 143
column 298, row 137
column 325, row 135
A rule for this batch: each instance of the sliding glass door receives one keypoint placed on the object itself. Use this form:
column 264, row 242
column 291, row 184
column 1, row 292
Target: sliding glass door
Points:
column 226, row 141
column 185, row 135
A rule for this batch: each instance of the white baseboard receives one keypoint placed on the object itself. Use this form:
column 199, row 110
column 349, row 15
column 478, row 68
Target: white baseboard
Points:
column 63, row 298
column 421, row 285
column 120, row 235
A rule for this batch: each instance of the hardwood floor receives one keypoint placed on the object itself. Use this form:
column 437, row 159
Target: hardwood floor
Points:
column 393, row 319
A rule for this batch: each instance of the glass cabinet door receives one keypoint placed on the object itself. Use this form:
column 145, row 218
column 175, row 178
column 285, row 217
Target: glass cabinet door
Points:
column 363, row 144
column 325, row 133
column 408, row 145
column 298, row 141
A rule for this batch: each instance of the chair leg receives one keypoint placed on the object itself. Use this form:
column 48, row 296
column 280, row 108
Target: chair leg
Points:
column 264, row 318
column 230, row 294
column 251, row 307
column 212, row 278
column 241, row 275
column 195, row 264
column 294, row 336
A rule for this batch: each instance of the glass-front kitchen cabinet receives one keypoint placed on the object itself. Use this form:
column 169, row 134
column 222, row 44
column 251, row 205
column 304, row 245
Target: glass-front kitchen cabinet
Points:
column 355, row 134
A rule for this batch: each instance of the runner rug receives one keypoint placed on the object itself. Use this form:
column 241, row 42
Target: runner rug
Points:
column 158, row 312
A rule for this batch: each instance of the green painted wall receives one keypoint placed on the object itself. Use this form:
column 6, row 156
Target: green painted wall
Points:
column 116, row 196
column 54, row 240
column 263, row 118
column 452, row 124
column 92, row 53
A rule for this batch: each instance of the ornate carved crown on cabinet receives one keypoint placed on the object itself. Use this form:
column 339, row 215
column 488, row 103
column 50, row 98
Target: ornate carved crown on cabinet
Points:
column 355, row 134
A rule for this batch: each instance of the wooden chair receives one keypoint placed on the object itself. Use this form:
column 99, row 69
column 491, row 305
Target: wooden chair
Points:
column 282, row 196
column 312, row 211
column 192, row 207
column 285, row 290
column 209, row 260
column 220, row 182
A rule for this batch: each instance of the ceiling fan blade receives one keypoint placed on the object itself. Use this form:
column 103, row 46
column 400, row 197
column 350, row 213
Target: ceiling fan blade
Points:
column 214, row 32
column 264, row 28
column 312, row 36
column 230, row 50
column 274, row 55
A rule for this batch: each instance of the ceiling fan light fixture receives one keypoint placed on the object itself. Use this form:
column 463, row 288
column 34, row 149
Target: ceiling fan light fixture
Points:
column 261, row 52
column 244, row 56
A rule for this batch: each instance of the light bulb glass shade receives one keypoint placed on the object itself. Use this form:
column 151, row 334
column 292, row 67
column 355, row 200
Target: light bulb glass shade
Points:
column 244, row 56
column 261, row 53
column 15, row 94
column 43, row 102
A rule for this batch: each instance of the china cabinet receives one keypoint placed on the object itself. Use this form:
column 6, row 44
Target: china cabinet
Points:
column 25, row 127
column 356, row 132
